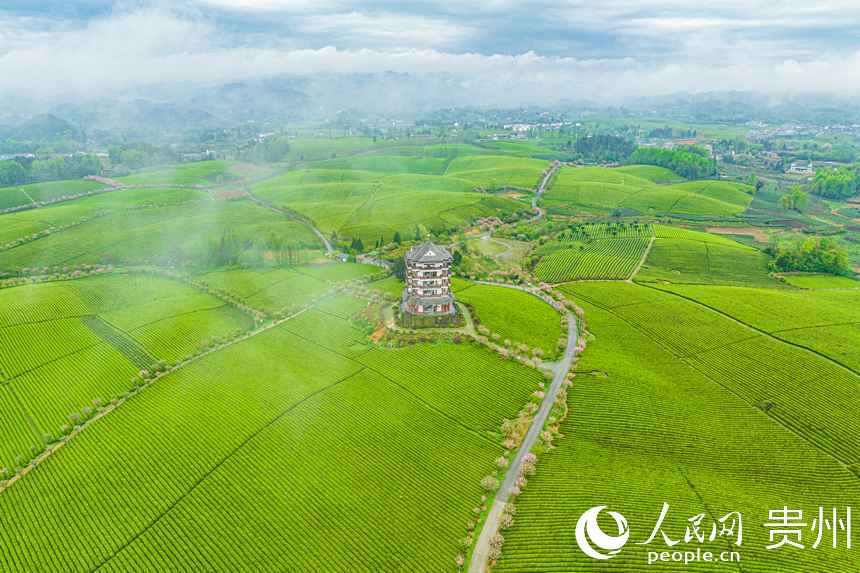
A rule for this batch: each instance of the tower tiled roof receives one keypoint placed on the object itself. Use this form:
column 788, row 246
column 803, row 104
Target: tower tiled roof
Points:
column 428, row 252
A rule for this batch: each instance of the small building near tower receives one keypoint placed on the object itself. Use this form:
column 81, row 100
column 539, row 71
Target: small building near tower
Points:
column 428, row 281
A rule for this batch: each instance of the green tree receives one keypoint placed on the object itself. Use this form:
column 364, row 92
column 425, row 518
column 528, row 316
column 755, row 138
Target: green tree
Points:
column 795, row 200
column 838, row 183
column 397, row 239
column 813, row 254
column 691, row 162
column 12, row 173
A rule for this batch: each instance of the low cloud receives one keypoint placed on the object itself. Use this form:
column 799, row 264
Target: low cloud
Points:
column 156, row 46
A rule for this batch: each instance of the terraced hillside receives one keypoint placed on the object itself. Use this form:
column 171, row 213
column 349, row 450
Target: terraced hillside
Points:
column 593, row 251
column 65, row 345
column 266, row 442
column 601, row 191
column 36, row 193
column 676, row 403
column 516, row 317
column 684, row 256
column 372, row 205
column 128, row 227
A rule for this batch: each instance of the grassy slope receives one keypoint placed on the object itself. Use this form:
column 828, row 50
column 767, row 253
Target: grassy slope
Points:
column 136, row 236
column 56, row 365
column 600, row 190
column 47, row 191
column 515, row 315
column 298, row 426
column 703, row 448
column 371, row 204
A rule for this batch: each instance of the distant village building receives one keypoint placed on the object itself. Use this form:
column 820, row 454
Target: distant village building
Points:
column 428, row 281
column 800, row 168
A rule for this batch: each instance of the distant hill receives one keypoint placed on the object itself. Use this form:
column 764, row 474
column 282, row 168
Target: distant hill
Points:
column 42, row 128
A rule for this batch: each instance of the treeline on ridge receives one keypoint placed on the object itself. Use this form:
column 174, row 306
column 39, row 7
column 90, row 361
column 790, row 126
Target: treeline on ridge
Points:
column 24, row 170
column 839, row 183
column 690, row 162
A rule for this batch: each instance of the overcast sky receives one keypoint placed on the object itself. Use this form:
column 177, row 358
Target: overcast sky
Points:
column 549, row 50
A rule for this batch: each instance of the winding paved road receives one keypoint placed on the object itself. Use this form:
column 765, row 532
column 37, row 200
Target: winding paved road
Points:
column 554, row 166
column 480, row 554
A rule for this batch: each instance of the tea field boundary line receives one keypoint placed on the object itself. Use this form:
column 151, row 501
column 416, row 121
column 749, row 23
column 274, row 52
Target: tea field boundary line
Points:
column 197, row 483
column 44, row 320
column 299, row 219
column 724, row 387
column 134, row 392
column 706, row 506
column 813, row 327
column 421, row 400
column 433, row 408
column 37, row 432
column 103, row 191
column 57, row 359
column 777, row 421
column 759, row 330
column 172, row 316
column 642, row 259
column 328, row 348
column 24, row 191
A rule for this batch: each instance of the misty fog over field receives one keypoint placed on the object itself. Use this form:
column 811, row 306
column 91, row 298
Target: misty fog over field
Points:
column 307, row 58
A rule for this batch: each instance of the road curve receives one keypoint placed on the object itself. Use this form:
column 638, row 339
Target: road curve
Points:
column 328, row 248
column 554, row 166
column 480, row 553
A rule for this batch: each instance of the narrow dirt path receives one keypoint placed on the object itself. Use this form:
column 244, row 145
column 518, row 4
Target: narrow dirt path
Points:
column 480, row 555
column 642, row 260
column 265, row 204
column 506, row 254
column 554, row 166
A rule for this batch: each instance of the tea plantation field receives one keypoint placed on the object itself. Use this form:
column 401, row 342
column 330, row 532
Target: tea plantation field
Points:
column 825, row 321
column 685, row 256
column 593, row 251
column 516, row 316
column 316, row 457
column 650, row 424
column 600, row 191
column 372, row 205
column 817, row 281
column 279, row 288
column 36, row 193
column 198, row 173
column 189, row 382
column 126, row 234
column 64, row 345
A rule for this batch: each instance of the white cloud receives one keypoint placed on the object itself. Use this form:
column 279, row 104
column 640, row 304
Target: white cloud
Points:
column 392, row 29
column 270, row 5
column 148, row 47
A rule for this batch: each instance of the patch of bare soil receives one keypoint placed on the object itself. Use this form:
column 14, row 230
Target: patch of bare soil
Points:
column 756, row 234
column 227, row 194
